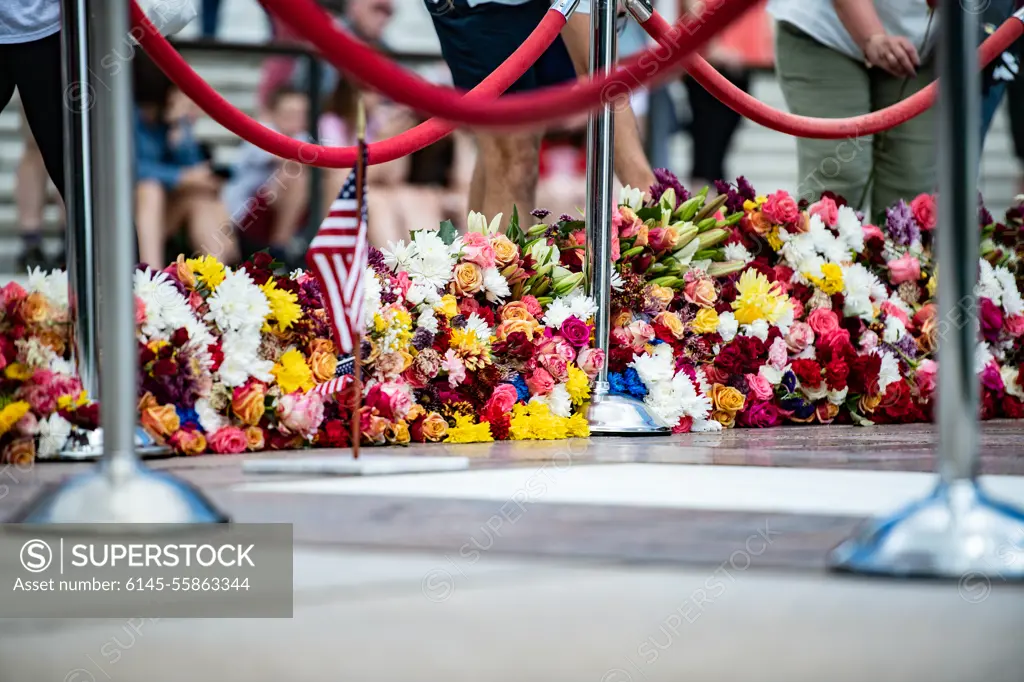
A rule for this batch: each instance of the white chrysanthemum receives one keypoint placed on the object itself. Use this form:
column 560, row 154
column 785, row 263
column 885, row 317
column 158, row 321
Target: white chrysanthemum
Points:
column 738, row 252
column 558, row 312
column 671, row 400
column 798, row 250
column 727, row 326
column 705, row 426
column 1009, row 375
column 655, row 367
column 427, row 320
column 557, row 400
column 702, row 381
column 62, row 366
column 495, row 285
column 894, row 329
column 758, row 329
column 209, row 418
column 398, row 255
column 988, row 285
column 371, row 295
column 428, row 245
column 616, row 280
column 479, row 327
column 167, row 311
column 34, row 353
column 53, row 285
column 433, row 272
column 889, row 373
column 238, row 303
column 53, row 433
column 982, row 356
column 851, row 231
column 581, row 305
column 838, row 397
column 860, row 287
column 1012, row 302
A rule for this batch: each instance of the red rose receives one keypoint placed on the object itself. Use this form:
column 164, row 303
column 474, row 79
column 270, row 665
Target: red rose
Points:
column 863, row 377
column 334, row 434
column 781, row 208
column 836, row 373
column 924, row 210
column 500, row 402
column 180, row 337
column 716, row 375
column 991, row 317
column 835, row 344
column 761, row 415
column 730, row 359
column 575, row 331
column 808, row 372
column 1012, row 407
column 216, row 354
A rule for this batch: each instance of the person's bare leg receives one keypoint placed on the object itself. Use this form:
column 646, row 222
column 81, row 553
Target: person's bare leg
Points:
column 151, row 221
column 385, row 224
column 631, row 164
column 477, row 183
column 510, row 173
column 292, row 186
column 209, row 226
column 31, row 183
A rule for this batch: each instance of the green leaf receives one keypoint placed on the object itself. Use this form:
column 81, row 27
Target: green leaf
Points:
column 513, row 232
column 447, row 232
column 649, row 213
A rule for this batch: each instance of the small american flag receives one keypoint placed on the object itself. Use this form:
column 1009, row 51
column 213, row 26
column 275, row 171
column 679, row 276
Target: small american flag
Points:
column 337, row 256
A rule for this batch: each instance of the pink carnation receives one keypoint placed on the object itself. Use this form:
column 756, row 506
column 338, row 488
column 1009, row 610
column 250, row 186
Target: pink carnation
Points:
column 799, row 337
column 778, row 354
column 391, row 400
column 532, row 306
column 476, row 248
column 781, row 208
column 455, row 367
column 1014, row 325
column 926, row 375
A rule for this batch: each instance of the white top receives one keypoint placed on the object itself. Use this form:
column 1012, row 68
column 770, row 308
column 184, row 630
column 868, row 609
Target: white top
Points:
column 818, row 19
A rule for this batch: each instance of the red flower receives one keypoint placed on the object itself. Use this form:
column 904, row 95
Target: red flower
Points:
column 516, row 345
column 217, row 355
column 897, row 404
column 180, row 337
column 334, row 434
column 716, row 375
column 836, row 373
column 165, row 368
column 500, row 425
column 924, row 209
column 991, row 317
column 684, row 425
column 863, row 377
column 835, row 345
column 1012, row 407
column 730, row 359
column 760, row 415
column 808, row 372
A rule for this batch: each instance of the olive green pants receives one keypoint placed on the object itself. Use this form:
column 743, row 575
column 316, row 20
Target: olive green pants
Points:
column 818, row 81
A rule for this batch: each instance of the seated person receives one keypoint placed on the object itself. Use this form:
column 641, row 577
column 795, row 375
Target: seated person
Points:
column 175, row 186
column 267, row 196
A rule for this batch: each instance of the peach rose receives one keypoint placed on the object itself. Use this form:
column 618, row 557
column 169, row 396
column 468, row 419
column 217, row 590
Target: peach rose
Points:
column 556, row 366
column 229, row 440
column 622, row 318
column 701, row 292
column 505, row 250
column 160, row 421
column 188, row 442
column 800, row 336
column 477, row 248
column 727, row 399
column 323, row 365
column 639, row 333
column 255, row 438
column 52, row 340
column 248, row 402
column 34, row 309
column 626, row 223
column 590, row 360
column 758, row 223
column 434, row 427
column 20, row 453
column 503, row 330
column 468, row 279
column 516, row 310
column 323, row 346
column 672, row 323
column 657, row 298
column 823, row 321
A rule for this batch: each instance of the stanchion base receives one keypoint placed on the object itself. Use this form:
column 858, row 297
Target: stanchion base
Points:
column 141, row 496
column 957, row 531
column 622, row 415
column 87, row 446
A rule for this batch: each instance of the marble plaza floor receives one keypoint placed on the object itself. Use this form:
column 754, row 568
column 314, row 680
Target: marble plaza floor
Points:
column 696, row 557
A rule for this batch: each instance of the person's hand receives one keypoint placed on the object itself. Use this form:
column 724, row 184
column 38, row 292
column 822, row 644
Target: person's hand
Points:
column 200, row 177
column 894, row 54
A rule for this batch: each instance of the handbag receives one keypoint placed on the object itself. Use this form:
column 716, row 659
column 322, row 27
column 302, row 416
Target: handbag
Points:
column 169, row 16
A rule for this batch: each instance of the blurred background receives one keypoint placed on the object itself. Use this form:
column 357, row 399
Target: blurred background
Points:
column 262, row 70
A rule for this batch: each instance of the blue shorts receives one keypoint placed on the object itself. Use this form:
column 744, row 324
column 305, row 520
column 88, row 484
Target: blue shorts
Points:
column 476, row 40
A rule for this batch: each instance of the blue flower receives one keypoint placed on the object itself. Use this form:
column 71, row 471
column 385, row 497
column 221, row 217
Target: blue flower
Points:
column 617, row 383
column 524, row 392
column 657, row 342
column 187, row 416
column 634, row 385
column 800, row 408
column 789, row 382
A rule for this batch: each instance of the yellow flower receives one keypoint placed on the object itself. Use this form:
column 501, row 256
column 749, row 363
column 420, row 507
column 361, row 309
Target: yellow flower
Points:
column 727, row 399
column 380, row 325
column 18, row 372
column 284, row 307
column 535, row 422
column 578, row 426
column 773, row 239
column 208, row 269
column 832, row 280
column 292, row 372
column 465, row 431
column 933, row 283
column 749, row 205
column 706, row 321
column 758, row 299
column 471, row 349
column 448, row 306
column 10, row 415
column 577, row 385
column 72, row 402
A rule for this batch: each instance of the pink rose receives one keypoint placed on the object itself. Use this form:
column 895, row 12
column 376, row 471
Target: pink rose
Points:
column 640, row 333
column 701, row 292
column 626, row 223
column 822, row 320
column 927, row 373
column 662, row 238
column 140, row 312
column 557, row 346
column 555, row 365
column 924, row 210
column 868, row 341
column 906, row 268
column 228, row 440
column 502, row 400
column 390, row 399
column 476, row 248
column 759, row 387
column 575, row 331
column 300, row 414
column 778, row 354
column 590, row 360
column 799, row 337
column 12, row 292
column 621, row 337
column 827, row 210
column 540, row 382
column 893, row 310
column 781, row 208
column 873, row 232
column 532, row 306
column 1014, row 325
column 992, row 379
column 28, row 425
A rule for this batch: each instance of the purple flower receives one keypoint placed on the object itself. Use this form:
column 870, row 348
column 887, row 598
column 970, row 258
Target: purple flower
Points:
column 666, row 179
column 375, row 259
column 458, row 322
column 734, row 202
column 900, row 223
column 422, row 339
column 746, row 190
column 565, row 218
column 540, row 213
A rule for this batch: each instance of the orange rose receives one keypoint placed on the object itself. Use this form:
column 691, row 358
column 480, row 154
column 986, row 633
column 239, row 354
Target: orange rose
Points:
column 397, row 433
column 20, row 453
column 868, row 403
column 34, row 309
column 468, row 280
column 187, row 442
column 759, row 223
column 435, row 428
column 415, row 412
column 184, row 272
column 53, row 341
column 516, row 310
column 249, row 402
column 505, row 250
column 725, row 418
column 727, row 399
column 160, row 421
column 511, row 326
column 254, row 439
column 659, row 296
column 322, row 345
column 622, row 319
column 671, row 321
column 323, row 365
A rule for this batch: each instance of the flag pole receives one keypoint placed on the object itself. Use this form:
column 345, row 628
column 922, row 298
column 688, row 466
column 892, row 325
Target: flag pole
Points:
column 357, row 350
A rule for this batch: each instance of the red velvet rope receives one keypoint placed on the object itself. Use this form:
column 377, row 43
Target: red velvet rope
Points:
column 827, row 128
column 359, row 61
column 423, row 135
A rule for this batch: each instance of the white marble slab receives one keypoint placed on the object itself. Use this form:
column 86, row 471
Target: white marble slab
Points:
column 367, row 465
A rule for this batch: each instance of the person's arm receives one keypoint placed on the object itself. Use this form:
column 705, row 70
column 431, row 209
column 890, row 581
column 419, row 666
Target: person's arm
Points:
column 895, row 54
column 631, row 165
column 149, row 163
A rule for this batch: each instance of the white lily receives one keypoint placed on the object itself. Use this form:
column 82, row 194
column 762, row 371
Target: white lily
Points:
column 632, row 197
column 477, row 222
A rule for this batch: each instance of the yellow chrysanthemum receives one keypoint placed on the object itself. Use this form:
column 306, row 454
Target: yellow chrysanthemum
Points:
column 577, row 385
column 758, row 299
column 832, row 280
column 577, row 426
column 72, row 402
column 466, row 431
column 706, row 321
column 284, row 307
column 292, row 372
column 380, row 325
column 208, row 270
column 18, row 372
column 448, row 306
column 535, row 422
column 773, row 239
column 471, row 349
column 10, row 415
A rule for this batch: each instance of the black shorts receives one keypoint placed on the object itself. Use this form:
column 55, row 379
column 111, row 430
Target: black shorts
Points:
column 476, row 40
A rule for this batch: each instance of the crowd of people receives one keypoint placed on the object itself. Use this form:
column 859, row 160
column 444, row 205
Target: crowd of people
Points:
column 839, row 58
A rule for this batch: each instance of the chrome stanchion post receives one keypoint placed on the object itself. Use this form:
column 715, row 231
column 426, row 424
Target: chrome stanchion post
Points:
column 608, row 414
column 120, row 489
column 958, row 530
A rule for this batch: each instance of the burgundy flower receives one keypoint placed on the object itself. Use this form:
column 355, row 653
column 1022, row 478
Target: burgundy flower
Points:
column 991, row 317
column 808, row 372
column 760, row 415
column 863, row 376
column 836, row 373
